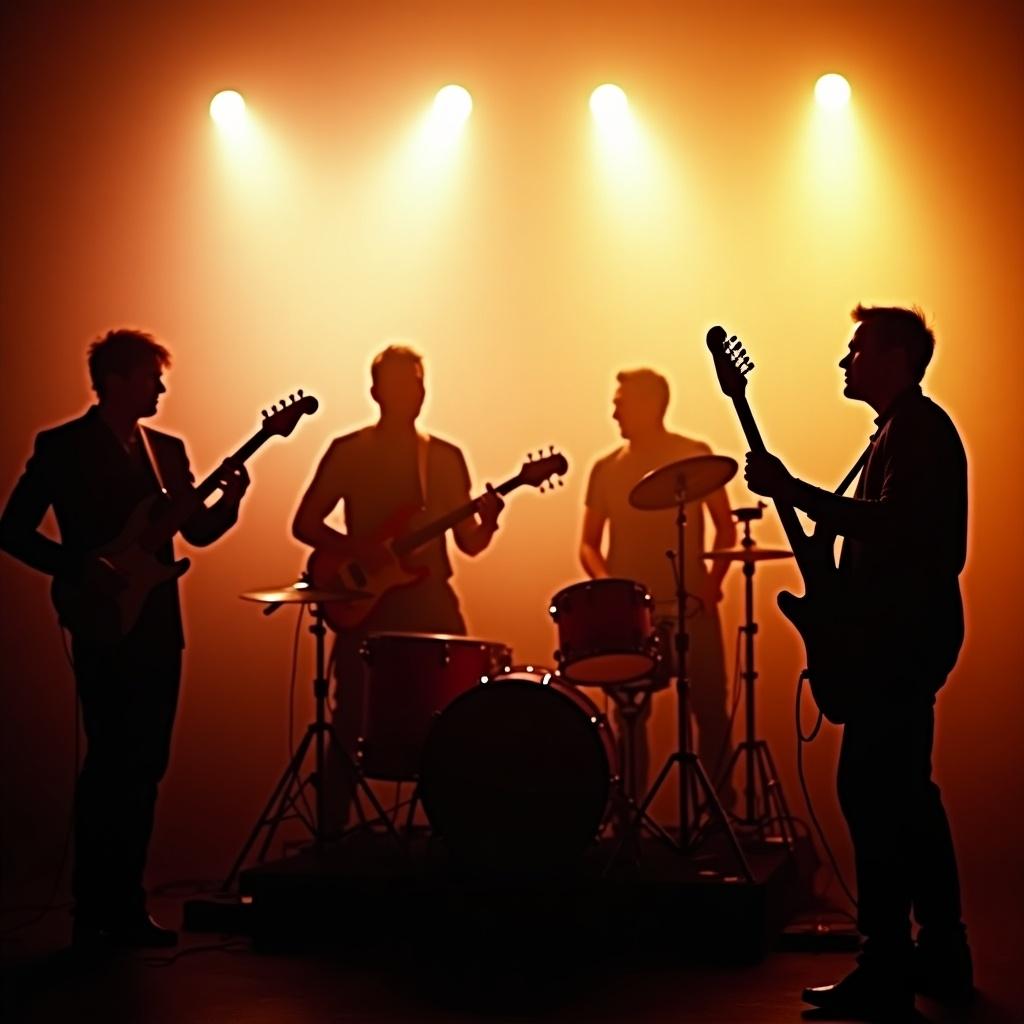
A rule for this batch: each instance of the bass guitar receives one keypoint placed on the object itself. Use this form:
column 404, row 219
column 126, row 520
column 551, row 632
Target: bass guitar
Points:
column 105, row 617
column 833, row 633
column 395, row 542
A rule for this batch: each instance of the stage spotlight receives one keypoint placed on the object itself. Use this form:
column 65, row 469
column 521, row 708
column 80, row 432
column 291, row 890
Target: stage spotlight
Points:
column 608, row 104
column 227, row 108
column 452, row 106
column 832, row 91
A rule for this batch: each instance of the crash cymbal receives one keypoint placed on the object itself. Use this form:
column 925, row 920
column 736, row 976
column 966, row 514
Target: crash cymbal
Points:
column 302, row 593
column 754, row 554
column 696, row 478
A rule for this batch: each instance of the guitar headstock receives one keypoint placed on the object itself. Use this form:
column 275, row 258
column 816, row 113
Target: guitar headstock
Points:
column 732, row 364
column 282, row 421
column 541, row 471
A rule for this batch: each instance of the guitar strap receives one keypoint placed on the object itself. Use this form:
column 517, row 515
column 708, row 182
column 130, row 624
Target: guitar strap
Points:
column 144, row 435
column 422, row 449
column 849, row 478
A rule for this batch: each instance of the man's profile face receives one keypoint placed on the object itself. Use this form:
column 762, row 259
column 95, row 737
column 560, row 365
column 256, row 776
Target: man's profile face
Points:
column 138, row 391
column 867, row 362
column 633, row 412
column 400, row 389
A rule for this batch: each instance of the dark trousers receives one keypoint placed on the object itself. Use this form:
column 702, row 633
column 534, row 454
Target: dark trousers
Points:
column 901, row 839
column 128, row 696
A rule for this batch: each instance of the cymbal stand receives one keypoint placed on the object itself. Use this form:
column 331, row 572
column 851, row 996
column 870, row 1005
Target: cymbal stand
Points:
column 691, row 770
column 291, row 785
column 762, row 785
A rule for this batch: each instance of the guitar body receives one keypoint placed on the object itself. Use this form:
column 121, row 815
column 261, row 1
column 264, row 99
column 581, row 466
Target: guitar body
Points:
column 105, row 618
column 330, row 570
column 834, row 645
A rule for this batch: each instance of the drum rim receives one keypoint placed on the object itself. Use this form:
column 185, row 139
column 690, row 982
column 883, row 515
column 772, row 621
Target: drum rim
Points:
column 604, row 580
column 565, row 666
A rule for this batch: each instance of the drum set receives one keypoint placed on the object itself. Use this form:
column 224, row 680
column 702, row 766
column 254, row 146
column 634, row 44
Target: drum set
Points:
column 515, row 766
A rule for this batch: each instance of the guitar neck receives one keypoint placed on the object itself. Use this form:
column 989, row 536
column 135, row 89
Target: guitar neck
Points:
column 787, row 514
column 176, row 514
column 416, row 539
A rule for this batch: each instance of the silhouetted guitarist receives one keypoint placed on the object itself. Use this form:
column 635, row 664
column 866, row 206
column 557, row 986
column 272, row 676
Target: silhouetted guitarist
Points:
column 94, row 471
column 372, row 473
column 904, row 544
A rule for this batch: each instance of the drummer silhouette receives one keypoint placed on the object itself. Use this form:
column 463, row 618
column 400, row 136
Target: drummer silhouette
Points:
column 636, row 550
column 372, row 473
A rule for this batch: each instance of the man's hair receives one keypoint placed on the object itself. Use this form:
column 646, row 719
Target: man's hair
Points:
column 647, row 384
column 901, row 328
column 394, row 354
column 122, row 351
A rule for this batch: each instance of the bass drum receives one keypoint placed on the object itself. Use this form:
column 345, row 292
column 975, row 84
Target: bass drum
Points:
column 516, row 773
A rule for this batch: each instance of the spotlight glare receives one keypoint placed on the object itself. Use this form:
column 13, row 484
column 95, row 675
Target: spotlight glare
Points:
column 832, row 91
column 608, row 103
column 227, row 108
column 452, row 105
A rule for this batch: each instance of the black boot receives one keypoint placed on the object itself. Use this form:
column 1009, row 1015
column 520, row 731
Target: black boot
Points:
column 942, row 969
column 867, row 994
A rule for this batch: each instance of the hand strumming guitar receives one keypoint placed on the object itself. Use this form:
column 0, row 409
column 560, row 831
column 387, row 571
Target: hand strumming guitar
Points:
column 766, row 475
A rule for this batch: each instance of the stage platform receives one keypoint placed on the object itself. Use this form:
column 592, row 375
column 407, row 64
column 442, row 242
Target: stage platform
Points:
column 365, row 896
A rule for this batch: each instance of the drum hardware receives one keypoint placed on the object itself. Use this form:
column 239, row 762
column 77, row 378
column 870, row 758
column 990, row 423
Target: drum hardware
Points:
column 774, row 820
column 291, row 785
column 672, row 486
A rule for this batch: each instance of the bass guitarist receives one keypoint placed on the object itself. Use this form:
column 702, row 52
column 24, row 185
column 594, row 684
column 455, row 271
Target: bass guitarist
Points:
column 373, row 473
column 904, row 544
column 94, row 471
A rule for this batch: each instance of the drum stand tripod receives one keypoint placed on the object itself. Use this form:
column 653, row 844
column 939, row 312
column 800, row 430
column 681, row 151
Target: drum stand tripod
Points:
column 691, row 772
column 774, row 821
column 291, row 786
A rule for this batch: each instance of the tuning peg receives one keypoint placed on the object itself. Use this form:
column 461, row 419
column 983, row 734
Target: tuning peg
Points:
column 299, row 392
column 291, row 398
column 529, row 456
column 540, row 453
column 561, row 482
column 265, row 414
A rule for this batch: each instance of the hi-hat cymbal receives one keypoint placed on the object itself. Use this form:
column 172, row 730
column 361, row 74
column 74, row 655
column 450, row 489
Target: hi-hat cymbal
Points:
column 754, row 554
column 693, row 478
column 302, row 593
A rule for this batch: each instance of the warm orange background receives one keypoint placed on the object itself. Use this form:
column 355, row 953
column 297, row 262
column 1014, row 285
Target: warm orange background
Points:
column 528, row 269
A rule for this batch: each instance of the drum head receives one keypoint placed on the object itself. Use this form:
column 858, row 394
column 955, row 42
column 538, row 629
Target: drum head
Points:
column 515, row 775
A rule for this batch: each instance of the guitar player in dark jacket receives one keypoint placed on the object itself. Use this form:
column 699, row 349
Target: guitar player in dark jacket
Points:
column 94, row 471
column 904, row 544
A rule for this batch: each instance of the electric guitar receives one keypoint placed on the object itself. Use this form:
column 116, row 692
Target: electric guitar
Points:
column 833, row 633
column 395, row 541
column 105, row 617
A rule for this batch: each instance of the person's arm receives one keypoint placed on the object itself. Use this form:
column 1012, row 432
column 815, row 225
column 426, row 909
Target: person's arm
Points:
column 910, row 469
column 19, row 533
column 474, row 534
column 591, row 558
column 725, row 537
column 309, row 524
column 209, row 523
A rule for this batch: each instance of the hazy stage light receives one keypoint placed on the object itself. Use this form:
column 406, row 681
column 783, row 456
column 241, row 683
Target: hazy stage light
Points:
column 227, row 108
column 608, row 103
column 452, row 105
column 832, row 91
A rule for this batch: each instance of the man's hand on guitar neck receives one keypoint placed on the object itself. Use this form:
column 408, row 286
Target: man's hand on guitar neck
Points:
column 766, row 475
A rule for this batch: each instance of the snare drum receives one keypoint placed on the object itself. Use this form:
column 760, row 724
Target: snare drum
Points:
column 412, row 676
column 516, row 773
column 605, row 636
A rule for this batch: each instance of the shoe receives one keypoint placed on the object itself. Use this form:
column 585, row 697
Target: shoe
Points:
column 944, row 973
column 141, row 932
column 866, row 994
column 136, row 932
